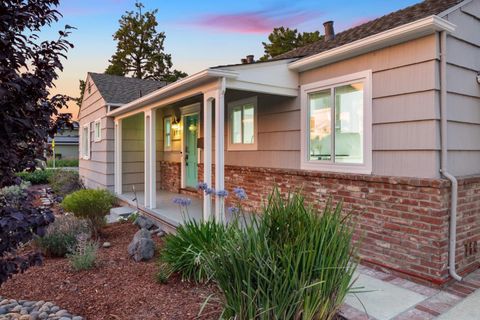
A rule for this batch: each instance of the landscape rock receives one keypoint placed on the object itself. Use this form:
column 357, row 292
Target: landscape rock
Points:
column 142, row 247
column 106, row 244
column 144, row 223
column 31, row 310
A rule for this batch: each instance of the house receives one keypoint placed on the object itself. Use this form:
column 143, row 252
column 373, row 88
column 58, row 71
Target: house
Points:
column 66, row 143
column 384, row 116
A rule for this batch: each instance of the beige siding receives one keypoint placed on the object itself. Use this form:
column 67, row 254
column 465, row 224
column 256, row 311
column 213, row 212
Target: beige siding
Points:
column 405, row 108
column 97, row 172
column 133, row 153
column 463, row 100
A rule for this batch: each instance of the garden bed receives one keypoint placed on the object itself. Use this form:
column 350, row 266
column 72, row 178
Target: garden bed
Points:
column 117, row 288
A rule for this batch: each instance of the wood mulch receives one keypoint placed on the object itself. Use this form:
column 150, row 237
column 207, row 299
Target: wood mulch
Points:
column 117, row 288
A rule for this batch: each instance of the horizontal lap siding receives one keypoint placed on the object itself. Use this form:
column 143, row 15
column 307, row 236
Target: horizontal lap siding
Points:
column 97, row 172
column 405, row 109
column 133, row 153
column 463, row 98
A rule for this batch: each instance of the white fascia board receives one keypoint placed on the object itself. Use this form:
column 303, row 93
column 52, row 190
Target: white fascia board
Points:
column 384, row 39
column 177, row 85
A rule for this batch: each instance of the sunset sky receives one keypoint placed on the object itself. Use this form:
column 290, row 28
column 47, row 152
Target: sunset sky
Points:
column 200, row 33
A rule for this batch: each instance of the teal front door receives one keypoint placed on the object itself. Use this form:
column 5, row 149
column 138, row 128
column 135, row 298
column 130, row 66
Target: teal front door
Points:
column 191, row 126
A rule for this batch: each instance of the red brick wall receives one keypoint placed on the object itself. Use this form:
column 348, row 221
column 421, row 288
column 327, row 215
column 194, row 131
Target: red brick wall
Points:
column 168, row 176
column 403, row 222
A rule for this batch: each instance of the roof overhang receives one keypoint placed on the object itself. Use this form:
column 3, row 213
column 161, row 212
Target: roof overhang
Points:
column 406, row 32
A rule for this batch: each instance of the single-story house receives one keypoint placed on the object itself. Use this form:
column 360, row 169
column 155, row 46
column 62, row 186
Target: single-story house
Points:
column 65, row 142
column 384, row 116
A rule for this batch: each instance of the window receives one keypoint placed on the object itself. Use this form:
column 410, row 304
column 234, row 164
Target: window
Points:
column 86, row 142
column 242, row 132
column 97, row 130
column 167, row 134
column 336, row 124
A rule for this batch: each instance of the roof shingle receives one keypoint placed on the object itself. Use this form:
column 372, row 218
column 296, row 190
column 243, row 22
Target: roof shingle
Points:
column 121, row 90
column 395, row 19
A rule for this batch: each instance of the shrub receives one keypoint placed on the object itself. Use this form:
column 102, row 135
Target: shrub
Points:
column 91, row 205
column 185, row 252
column 64, row 182
column 61, row 163
column 36, row 177
column 290, row 263
column 84, row 255
column 61, row 236
column 14, row 195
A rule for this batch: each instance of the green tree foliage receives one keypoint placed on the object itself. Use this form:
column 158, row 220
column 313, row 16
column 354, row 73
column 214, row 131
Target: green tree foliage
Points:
column 81, row 88
column 285, row 39
column 140, row 48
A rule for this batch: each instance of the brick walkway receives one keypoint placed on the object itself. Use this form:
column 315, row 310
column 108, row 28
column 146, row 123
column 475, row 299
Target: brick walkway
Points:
column 388, row 297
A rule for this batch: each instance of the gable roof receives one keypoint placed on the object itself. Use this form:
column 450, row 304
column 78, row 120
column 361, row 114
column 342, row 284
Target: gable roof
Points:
column 121, row 90
column 387, row 22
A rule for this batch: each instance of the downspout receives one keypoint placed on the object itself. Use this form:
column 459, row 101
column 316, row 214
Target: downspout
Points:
column 444, row 164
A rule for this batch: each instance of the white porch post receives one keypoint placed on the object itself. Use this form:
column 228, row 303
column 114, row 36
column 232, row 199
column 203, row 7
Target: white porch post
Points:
column 207, row 151
column 150, row 170
column 118, row 157
column 220, row 149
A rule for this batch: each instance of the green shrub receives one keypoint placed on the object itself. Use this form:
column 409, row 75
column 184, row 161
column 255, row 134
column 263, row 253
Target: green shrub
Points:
column 64, row 182
column 163, row 273
column 84, row 255
column 60, row 163
column 36, row 177
column 185, row 252
column 14, row 195
column 91, row 205
column 289, row 263
column 61, row 236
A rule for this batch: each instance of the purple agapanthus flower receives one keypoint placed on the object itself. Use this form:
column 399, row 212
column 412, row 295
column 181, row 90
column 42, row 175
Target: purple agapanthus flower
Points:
column 203, row 186
column 233, row 210
column 240, row 193
column 222, row 193
column 182, row 202
column 209, row 191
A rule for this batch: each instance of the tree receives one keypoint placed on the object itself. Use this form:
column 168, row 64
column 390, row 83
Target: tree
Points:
column 81, row 88
column 285, row 39
column 140, row 48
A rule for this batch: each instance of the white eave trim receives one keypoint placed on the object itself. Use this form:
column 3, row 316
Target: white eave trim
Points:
column 157, row 94
column 384, row 39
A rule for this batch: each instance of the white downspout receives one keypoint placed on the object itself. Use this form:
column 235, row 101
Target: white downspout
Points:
column 444, row 164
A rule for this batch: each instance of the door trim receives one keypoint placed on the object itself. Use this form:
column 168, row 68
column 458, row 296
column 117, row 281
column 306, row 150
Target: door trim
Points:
column 188, row 110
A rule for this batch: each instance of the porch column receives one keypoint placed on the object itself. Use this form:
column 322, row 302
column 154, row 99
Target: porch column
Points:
column 118, row 157
column 220, row 149
column 150, row 160
column 207, row 151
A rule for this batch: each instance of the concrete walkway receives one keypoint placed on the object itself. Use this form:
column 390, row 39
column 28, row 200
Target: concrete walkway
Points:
column 383, row 296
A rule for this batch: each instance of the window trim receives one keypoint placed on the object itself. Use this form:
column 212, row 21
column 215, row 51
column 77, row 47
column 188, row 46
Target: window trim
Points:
column 319, row 165
column 243, row 146
column 87, row 155
column 165, row 148
column 97, row 137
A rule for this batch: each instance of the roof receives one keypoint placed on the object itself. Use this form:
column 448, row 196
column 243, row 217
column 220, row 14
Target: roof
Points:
column 121, row 90
column 395, row 19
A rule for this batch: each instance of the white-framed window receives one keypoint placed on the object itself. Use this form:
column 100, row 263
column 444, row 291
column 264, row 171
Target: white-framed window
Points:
column 97, row 130
column 167, row 133
column 337, row 124
column 242, row 124
column 85, row 148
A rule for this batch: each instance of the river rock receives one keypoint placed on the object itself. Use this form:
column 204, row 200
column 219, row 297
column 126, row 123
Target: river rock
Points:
column 142, row 247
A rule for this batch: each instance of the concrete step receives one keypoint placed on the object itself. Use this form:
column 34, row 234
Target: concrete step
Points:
column 119, row 213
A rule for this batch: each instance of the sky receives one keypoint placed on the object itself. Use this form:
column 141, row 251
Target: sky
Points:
column 199, row 34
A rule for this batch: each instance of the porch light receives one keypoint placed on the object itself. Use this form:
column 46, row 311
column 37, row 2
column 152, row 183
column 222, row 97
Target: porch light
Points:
column 176, row 124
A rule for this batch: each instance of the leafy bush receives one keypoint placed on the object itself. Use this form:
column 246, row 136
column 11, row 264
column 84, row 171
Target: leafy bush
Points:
column 14, row 195
column 18, row 226
column 64, row 182
column 61, row 236
column 84, row 255
column 61, row 163
column 91, row 205
column 290, row 263
column 36, row 177
column 185, row 252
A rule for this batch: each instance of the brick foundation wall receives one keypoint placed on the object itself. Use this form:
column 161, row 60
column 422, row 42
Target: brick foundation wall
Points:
column 168, row 176
column 403, row 222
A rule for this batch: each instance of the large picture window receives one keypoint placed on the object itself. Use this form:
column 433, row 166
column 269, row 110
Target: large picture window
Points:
column 337, row 124
column 242, row 132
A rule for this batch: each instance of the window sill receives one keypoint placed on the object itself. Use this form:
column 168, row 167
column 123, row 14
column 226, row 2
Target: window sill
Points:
column 336, row 168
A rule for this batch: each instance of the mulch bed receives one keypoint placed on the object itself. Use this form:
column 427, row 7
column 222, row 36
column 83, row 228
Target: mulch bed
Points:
column 117, row 288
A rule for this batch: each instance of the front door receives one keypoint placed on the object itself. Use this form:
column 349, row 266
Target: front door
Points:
column 191, row 158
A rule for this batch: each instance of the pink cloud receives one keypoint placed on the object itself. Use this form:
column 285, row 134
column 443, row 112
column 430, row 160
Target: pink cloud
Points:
column 253, row 22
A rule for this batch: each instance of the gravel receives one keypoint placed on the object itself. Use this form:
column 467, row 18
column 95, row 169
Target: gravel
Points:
column 33, row 310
